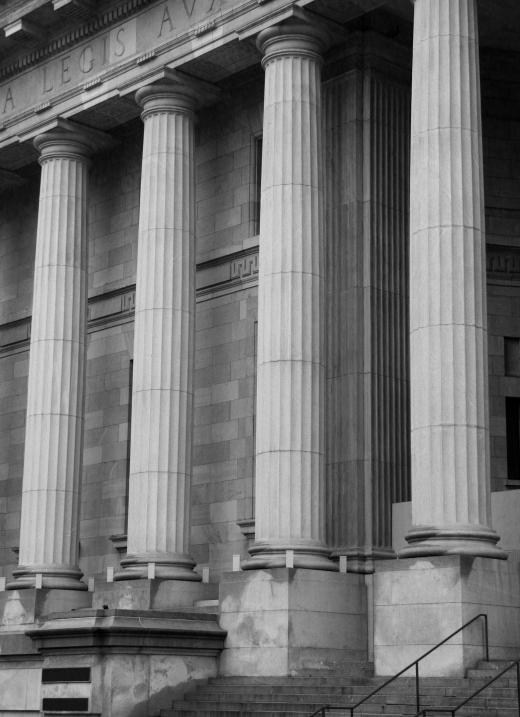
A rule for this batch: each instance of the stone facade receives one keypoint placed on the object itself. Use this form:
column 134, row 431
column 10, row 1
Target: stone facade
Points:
column 259, row 282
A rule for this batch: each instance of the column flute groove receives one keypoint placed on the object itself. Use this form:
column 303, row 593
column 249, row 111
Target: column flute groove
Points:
column 448, row 310
column 56, row 383
column 290, row 380
column 162, row 400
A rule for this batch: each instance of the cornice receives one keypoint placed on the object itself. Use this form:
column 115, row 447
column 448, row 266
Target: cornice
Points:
column 101, row 21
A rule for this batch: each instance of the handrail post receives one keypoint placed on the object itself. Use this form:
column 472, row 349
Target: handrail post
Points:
column 484, row 615
column 417, row 696
column 518, row 686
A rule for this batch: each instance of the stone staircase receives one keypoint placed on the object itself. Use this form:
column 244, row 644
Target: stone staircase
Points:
column 301, row 696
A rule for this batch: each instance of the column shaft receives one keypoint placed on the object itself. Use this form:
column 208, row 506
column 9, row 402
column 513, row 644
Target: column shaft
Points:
column 162, row 400
column 54, row 427
column 290, row 380
column 448, row 311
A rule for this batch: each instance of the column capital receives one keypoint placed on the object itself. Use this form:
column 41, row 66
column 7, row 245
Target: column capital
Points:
column 175, row 92
column 165, row 97
column 292, row 38
column 70, row 140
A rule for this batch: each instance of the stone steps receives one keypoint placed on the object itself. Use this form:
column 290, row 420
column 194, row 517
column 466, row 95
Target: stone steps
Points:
column 301, row 696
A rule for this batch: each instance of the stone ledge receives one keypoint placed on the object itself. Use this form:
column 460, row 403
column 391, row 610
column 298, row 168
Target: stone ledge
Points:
column 143, row 631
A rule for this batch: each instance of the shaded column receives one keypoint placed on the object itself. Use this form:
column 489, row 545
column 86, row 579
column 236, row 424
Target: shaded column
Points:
column 291, row 375
column 55, row 397
column 162, row 396
column 448, row 311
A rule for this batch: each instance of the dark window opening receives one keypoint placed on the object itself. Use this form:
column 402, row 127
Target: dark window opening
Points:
column 256, row 184
column 511, row 356
column 513, row 438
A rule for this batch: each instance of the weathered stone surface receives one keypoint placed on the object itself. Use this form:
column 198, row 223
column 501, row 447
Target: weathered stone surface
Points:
column 418, row 602
column 290, row 621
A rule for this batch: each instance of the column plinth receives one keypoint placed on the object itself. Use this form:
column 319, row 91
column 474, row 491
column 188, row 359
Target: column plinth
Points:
column 290, row 379
column 448, row 310
column 55, row 394
column 162, row 398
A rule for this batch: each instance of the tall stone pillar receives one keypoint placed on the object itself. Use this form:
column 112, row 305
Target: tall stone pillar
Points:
column 448, row 340
column 161, row 436
column 290, row 378
column 55, row 398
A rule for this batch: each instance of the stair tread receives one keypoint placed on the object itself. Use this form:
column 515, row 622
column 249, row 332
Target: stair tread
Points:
column 300, row 696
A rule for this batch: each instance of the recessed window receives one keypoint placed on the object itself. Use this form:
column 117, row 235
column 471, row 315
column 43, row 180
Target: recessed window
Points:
column 256, row 184
column 513, row 437
column 512, row 356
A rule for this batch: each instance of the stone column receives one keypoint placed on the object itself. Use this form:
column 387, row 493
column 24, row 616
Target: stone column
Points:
column 162, row 399
column 54, row 426
column 290, row 379
column 448, row 339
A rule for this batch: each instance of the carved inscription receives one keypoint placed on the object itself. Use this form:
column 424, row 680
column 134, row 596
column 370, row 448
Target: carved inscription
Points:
column 79, row 66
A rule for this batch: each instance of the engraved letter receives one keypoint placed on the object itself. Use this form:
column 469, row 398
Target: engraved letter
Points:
column 166, row 19
column 189, row 10
column 46, row 87
column 8, row 98
column 105, row 53
column 121, row 44
column 65, row 69
column 86, row 59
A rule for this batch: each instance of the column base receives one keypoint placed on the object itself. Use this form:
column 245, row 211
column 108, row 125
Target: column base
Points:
column 61, row 577
column 307, row 554
column 282, row 622
column 455, row 540
column 419, row 602
column 361, row 560
column 171, row 566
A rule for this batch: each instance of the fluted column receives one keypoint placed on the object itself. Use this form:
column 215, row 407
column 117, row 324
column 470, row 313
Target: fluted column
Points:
column 54, row 426
column 290, row 380
column 448, row 340
column 161, row 436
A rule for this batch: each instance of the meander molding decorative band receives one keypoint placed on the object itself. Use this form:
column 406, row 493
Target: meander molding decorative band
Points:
column 216, row 277
column 503, row 264
column 222, row 275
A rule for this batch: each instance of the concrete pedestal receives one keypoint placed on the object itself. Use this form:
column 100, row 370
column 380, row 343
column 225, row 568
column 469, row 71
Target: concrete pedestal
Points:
column 293, row 622
column 137, row 661
column 419, row 602
column 25, row 607
column 152, row 594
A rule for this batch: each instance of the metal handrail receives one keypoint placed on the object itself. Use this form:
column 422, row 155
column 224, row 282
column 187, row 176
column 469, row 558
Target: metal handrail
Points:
column 453, row 710
column 415, row 664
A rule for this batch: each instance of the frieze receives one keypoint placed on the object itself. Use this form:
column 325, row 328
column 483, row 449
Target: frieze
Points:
column 100, row 22
column 228, row 273
column 245, row 266
column 80, row 60
column 503, row 263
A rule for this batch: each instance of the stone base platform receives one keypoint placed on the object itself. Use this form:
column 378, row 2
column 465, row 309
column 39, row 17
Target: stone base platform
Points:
column 420, row 601
column 111, row 662
column 23, row 607
column 293, row 621
column 153, row 594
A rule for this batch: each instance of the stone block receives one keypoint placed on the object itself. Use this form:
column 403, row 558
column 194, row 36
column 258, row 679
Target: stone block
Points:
column 419, row 602
column 151, row 594
column 20, row 689
column 22, row 607
column 292, row 621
